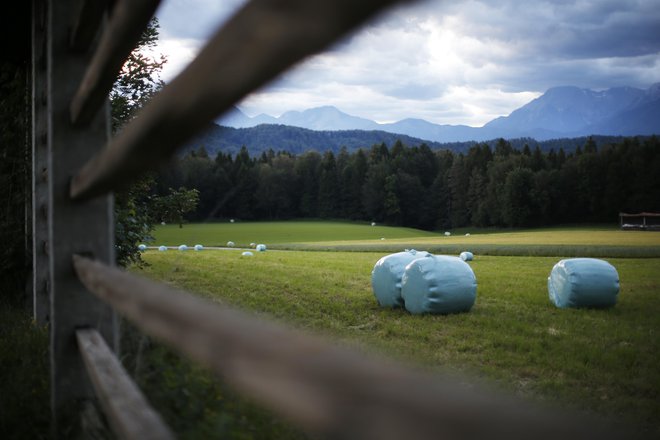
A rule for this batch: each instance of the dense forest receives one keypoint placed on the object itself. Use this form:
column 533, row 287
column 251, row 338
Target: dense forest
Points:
column 296, row 140
column 424, row 188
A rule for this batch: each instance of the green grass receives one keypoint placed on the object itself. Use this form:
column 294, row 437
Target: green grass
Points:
column 603, row 362
column 342, row 236
column 218, row 234
column 24, row 372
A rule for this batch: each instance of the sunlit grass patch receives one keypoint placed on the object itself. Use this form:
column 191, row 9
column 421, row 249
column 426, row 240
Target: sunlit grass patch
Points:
column 603, row 361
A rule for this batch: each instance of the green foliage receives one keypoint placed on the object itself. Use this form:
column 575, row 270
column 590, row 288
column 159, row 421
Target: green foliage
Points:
column 195, row 403
column 602, row 362
column 24, row 371
column 174, row 206
column 136, row 83
column 139, row 78
column 417, row 187
column 14, row 176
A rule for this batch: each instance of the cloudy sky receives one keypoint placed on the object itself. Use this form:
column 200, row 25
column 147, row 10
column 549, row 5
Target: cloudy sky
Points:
column 444, row 61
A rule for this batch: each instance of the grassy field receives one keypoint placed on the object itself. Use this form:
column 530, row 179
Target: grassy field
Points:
column 218, row 234
column 604, row 362
column 337, row 236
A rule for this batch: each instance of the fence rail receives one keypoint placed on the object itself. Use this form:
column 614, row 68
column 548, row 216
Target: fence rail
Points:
column 261, row 41
column 124, row 404
column 129, row 18
column 326, row 390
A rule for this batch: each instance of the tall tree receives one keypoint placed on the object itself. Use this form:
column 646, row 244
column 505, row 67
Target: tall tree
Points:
column 328, row 183
column 136, row 83
column 517, row 207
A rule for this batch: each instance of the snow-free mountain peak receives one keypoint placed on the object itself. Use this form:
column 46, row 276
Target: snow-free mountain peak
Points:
column 564, row 111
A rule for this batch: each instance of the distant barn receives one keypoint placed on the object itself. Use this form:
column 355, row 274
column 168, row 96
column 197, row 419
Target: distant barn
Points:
column 644, row 221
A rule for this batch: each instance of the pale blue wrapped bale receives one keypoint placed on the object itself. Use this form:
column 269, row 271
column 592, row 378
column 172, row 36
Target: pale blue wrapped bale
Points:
column 466, row 256
column 438, row 284
column 583, row 282
column 386, row 276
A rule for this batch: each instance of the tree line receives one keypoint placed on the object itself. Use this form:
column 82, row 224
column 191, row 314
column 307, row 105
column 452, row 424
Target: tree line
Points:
column 418, row 187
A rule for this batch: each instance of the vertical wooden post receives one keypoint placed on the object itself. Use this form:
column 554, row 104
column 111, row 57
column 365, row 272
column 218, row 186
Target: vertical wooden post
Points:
column 40, row 299
column 73, row 227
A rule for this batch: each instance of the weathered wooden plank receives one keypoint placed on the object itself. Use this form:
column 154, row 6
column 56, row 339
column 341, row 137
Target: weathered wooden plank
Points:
column 88, row 23
column 129, row 18
column 261, row 41
column 74, row 227
column 329, row 391
column 129, row 414
column 40, row 265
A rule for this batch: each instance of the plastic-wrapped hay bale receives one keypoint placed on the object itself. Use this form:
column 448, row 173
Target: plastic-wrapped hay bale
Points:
column 162, row 248
column 261, row 248
column 142, row 247
column 230, row 244
column 438, row 284
column 247, row 254
column 198, row 247
column 583, row 282
column 386, row 276
column 183, row 247
column 466, row 256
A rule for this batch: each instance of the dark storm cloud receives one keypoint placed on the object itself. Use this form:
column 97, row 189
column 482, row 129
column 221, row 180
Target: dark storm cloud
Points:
column 484, row 58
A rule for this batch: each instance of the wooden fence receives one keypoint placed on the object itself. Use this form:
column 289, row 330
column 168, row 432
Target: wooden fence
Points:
column 325, row 390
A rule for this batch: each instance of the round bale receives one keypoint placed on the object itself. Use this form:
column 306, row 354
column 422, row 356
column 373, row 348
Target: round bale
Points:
column 142, row 247
column 386, row 276
column 183, row 247
column 198, row 247
column 230, row 244
column 247, row 254
column 438, row 284
column 261, row 248
column 162, row 248
column 466, row 256
column 583, row 282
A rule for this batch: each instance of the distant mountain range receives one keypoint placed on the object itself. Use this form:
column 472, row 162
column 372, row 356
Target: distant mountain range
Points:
column 561, row 112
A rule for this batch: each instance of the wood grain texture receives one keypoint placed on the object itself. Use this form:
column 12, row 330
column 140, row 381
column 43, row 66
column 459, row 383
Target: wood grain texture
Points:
column 127, row 410
column 261, row 41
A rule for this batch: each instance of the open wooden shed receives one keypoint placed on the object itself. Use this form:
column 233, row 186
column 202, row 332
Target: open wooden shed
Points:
column 643, row 221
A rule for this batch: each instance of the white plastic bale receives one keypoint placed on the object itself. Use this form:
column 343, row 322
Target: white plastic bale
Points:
column 247, row 254
column 583, row 282
column 198, row 247
column 386, row 276
column 261, row 248
column 162, row 248
column 466, row 256
column 142, row 247
column 183, row 247
column 438, row 284
column 231, row 244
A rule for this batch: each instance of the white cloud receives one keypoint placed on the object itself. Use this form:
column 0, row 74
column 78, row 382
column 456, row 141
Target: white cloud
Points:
column 459, row 63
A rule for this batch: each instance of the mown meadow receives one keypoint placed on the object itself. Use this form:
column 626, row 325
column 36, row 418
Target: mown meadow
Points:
column 601, row 362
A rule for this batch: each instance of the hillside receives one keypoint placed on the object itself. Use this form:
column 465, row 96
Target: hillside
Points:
column 297, row 140
column 561, row 112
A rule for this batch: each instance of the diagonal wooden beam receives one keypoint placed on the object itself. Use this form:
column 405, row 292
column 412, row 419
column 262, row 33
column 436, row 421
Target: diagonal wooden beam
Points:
column 261, row 41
